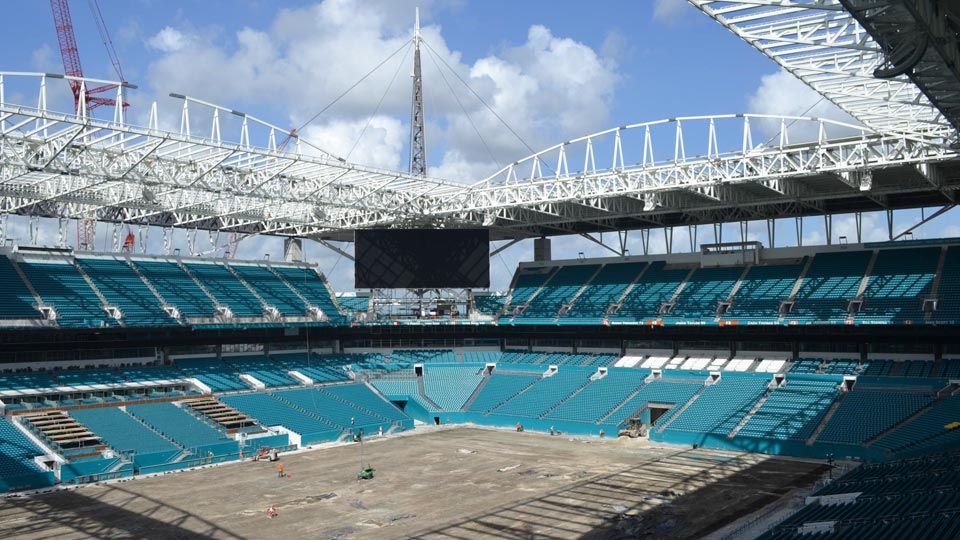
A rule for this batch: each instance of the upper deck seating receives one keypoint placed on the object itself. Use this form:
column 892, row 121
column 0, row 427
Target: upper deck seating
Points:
column 123, row 288
column 898, row 284
column 177, row 288
column 16, row 301
column 657, row 285
column 707, row 287
column 605, row 289
column 830, row 283
column 272, row 289
column 763, row 289
column 60, row 284
column 312, row 286
column 560, row 290
column 226, row 288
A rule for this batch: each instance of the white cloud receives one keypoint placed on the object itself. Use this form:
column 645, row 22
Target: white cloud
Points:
column 168, row 40
column 668, row 11
column 781, row 93
column 378, row 143
column 548, row 88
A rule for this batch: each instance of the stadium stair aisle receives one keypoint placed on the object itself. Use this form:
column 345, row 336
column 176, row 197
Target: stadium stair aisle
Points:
column 657, row 285
column 176, row 287
column 831, row 282
column 225, row 286
column 758, row 299
column 16, row 300
column 600, row 396
column 793, row 410
column 542, row 396
column 62, row 286
column 123, row 288
column 313, row 286
column 898, row 284
column 704, row 290
column 272, row 289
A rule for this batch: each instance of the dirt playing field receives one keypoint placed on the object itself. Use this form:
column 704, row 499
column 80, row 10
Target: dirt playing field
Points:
column 448, row 483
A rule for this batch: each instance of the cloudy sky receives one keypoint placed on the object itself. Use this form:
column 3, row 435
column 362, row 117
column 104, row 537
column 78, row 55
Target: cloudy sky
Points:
column 551, row 70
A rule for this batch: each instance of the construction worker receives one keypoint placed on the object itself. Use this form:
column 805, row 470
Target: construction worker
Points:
column 280, row 473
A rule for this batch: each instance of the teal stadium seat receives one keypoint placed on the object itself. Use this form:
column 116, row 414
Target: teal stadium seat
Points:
column 272, row 289
column 177, row 288
column 62, row 286
column 763, row 289
column 16, row 301
column 830, row 283
column 123, row 288
column 227, row 289
column 898, row 284
column 656, row 286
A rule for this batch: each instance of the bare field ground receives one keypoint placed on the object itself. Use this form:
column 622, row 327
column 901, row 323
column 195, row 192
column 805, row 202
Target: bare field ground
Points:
column 448, row 483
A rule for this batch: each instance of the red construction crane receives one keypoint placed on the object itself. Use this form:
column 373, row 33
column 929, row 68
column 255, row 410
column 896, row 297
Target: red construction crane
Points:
column 71, row 54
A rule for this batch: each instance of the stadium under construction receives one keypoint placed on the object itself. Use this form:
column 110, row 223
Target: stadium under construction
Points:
column 794, row 391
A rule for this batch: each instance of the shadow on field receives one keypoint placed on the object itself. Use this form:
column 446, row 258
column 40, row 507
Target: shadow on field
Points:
column 86, row 513
column 683, row 494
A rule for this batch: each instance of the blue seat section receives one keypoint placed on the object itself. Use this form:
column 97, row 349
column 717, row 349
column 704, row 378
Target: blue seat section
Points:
column 422, row 356
column 17, row 468
column 793, row 410
column 122, row 287
column 218, row 375
column 831, row 281
column 357, row 304
column 362, row 398
column 227, row 289
column 501, row 387
column 544, row 394
column 763, row 288
column 663, row 391
column 527, row 284
column 865, row 413
column 314, row 366
column 720, row 407
column 269, row 411
column 272, row 289
column 489, row 304
column 89, row 377
column 606, row 288
column 898, row 283
column 397, row 389
column 949, row 369
column 558, row 291
column 184, row 428
column 261, row 368
column 480, row 357
column 62, row 286
column 16, row 301
column 125, row 434
column 25, row 380
column 600, row 396
column 898, row 368
column 948, row 292
column 930, row 427
column 706, row 288
column 450, row 387
column 897, row 500
column 177, row 288
column 520, row 357
column 823, row 366
column 656, row 286
column 151, row 373
column 314, row 288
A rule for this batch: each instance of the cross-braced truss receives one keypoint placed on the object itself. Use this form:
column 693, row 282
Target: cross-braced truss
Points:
column 679, row 171
column 824, row 46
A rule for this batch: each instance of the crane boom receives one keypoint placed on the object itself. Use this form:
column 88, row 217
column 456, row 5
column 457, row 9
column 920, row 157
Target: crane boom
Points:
column 70, row 54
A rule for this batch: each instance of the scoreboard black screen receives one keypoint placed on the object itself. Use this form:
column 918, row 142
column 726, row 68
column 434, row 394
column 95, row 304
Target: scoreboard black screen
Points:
column 422, row 258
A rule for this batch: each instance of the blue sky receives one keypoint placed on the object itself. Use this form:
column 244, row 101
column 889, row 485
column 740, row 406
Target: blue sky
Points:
column 553, row 69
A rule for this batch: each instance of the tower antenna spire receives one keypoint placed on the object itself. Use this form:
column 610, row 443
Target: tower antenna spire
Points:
column 418, row 150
